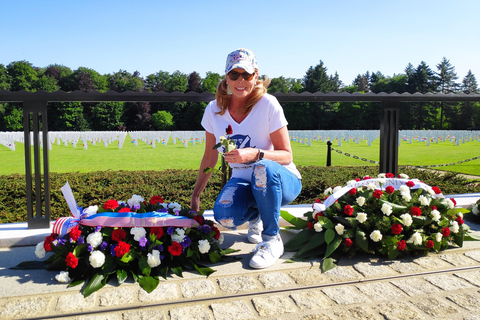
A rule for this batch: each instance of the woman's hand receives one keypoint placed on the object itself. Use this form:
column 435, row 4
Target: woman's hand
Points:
column 242, row 155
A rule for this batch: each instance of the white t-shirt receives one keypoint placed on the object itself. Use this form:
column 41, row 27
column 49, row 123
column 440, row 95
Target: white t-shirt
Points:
column 254, row 131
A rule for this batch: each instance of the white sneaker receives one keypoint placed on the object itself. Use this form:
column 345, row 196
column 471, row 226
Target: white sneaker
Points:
column 267, row 253
column 255, row 229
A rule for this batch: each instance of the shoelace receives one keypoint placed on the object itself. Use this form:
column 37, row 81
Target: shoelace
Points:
column 259, row 246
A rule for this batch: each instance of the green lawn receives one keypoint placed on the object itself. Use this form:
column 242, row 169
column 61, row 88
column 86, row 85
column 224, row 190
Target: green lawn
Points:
column 177, row 156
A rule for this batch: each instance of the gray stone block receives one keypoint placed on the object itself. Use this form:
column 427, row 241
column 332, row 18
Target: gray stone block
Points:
column 198, row 288
column 238, row 310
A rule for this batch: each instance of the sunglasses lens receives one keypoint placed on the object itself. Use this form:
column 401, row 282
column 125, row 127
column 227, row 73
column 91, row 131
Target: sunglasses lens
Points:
column 235, row 75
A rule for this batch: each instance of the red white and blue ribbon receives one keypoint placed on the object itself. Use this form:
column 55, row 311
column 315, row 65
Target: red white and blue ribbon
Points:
column 63, row 226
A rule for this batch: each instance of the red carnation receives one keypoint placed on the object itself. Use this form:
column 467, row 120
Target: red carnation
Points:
column 157, row 231
column 111, row 204
column 175, row 249
column 430, row 244
column 459, row 220
column 156, row 199
column 199, row 219
column 217, row 233
column 121, row 249
column 366, row 178
column 71, row 260
column 410, row 184
column 118, row 235
column 454, row 202
column 416, row 211
column 75, row 233
column 377, row 193
column 401, row 245
column 229, row 129
column 348, row 210
column 352, row 191
column 396, row 228
column 125, row 210
column 433, row 208
column 389, row 175
column 310, row 225
column 318, row 214
column 436, row 190
column 47, row 244
column 357, row 179
column 347, row 242
column 389, row 189
column 445, row 232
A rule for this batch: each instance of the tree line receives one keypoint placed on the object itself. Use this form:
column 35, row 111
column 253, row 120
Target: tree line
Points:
column 132, row 116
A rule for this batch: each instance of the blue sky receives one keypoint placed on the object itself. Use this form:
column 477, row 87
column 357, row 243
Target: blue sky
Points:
column 350, row 37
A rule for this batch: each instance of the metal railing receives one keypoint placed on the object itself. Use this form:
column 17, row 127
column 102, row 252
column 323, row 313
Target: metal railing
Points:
column 35, row 117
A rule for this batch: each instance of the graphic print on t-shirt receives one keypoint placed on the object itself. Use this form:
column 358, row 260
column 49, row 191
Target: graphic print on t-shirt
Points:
column 241, row 141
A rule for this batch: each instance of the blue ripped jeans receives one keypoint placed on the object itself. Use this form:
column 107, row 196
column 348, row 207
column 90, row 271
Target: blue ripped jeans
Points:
column 240, row 201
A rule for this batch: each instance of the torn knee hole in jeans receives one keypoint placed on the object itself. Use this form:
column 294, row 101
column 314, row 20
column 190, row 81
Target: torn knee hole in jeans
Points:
column 227, row 196
column 260, row 176
column 227, row 223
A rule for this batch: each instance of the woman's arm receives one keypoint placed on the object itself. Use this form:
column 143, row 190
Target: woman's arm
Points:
column 210, row 158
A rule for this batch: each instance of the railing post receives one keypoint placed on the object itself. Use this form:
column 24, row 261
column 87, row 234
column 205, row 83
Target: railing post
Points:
column 329, row 153
column 35, row 121
column 389, row 126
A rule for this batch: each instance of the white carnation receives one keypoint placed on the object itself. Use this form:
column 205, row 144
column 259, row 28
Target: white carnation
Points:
column 436, row 215
column 91, row 210
column 454, row 227
column 382, row 181
column 178, row 235
column 175, row 206
column 403, row 176
column 406, row 196
column 430, row 191
column 424, row 201
column 203, row 246
column 339, row 228
column 97, row 259
column 361, row 217
column 95, row 239
column 460, row 215
column 416, row 239
column 135, row 200
column 221, row 238
column 318, row 227
column 62, row 277
column 387, row 209
column 351, row 182
column 153, row 259
column 406, row 219
column 449, row 203
column 475, row 210
column 327, row 191
column 360, row 201
column 40, row 250
column 404, row 188
column 382, row 175
column 336, row 189
column 376, row 235
column 371, row 186
column 438, row 237
column 138, row 233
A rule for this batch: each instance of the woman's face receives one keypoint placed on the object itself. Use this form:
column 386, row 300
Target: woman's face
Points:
column 240, row 87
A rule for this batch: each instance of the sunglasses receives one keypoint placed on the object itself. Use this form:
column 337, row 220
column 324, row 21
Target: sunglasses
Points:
column 233, row 75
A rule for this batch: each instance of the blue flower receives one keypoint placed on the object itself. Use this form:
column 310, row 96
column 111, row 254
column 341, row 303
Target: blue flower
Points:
column 186, row 242
column 104, row 245
column 142, row 242
column 205, row 228
column 170, row 230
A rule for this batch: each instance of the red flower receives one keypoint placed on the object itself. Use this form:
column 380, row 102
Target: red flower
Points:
column 71, row 260
column 366, row 178
column 357, row 179
column 389, row 189
column 347, row 242
column 352, row 191
column 118, row 235
column 124, row 210
column 199, row 219
column 401, row 245
column 436, row 190
column 229, row 129
column 121, row 249
column 416, row 211
column 389, row 175
column 217, row 233
column 433, row 208
column 396, row 228
column 310, row 225
column 318, row 214
column 110, row 204
column 429, row 244
column 454, row 202
column 47, row 244
column 175, row 249
column 445, row 232
column 156, row 199
column 459, row 220
column 157, row 231
column 377, row 193
column 410, row 184
column 348, row 210
column 75, row 233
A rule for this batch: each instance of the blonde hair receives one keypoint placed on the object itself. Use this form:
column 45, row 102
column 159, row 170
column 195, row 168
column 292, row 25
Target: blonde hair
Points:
column 223, row 96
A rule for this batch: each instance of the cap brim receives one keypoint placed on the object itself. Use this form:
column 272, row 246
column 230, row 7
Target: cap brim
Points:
column 250, row 69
